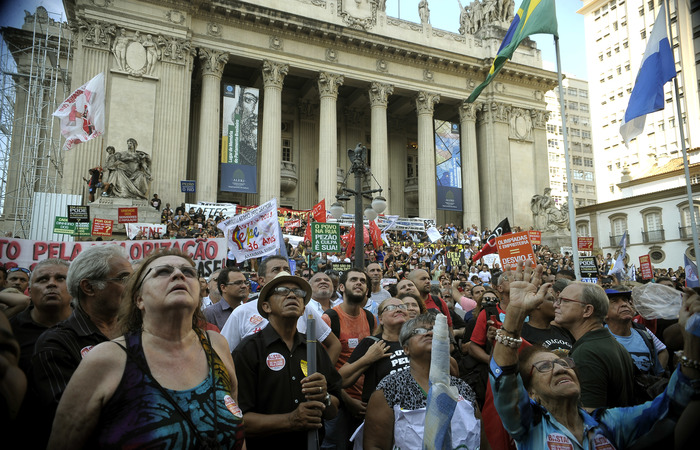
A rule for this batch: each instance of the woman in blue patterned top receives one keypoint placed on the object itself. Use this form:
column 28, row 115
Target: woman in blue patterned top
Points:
column 164, row 384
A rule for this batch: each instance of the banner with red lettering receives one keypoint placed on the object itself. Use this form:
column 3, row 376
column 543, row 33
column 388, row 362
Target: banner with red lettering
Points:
column 145, row 230
column 535, row 237
column 208, row 254
column 319, row 211
column 292, row 224
column 585, row 244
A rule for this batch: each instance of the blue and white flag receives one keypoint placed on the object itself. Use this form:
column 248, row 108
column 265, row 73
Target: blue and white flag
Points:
column 691, row 273
column 619, row 266
column 656, row 70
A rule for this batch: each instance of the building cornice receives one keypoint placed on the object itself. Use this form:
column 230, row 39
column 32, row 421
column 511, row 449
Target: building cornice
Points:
column 636, row 200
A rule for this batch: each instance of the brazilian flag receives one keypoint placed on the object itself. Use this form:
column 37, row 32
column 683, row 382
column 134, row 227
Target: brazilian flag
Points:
column 533, row 17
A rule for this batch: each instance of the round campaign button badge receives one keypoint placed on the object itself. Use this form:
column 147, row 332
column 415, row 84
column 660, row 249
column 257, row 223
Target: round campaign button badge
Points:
column 232, row 406
column 275, row 362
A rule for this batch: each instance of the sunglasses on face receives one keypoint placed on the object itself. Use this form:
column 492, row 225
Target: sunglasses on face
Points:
column 19, row 269
column 548, row 365
column 389, row 308
column 282, row 290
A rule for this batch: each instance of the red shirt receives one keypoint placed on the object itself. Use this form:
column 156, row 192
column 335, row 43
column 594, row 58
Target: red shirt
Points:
column 430, row 303
column 480, row 328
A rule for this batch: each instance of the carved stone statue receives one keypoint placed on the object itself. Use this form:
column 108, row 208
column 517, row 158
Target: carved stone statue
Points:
column 546, row 215
column 128, row 173
column 424, row 12
column 481, row 13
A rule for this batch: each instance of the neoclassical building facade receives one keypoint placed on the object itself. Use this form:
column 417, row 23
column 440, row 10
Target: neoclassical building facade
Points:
column 330, row 74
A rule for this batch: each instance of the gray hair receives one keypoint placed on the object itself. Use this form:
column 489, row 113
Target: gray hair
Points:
column 595, row 296
column 408, row 327
column 92, row 264
column 47, row 262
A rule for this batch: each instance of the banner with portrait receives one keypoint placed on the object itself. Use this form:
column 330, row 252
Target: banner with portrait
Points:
column 448, row 160
column 239, row 139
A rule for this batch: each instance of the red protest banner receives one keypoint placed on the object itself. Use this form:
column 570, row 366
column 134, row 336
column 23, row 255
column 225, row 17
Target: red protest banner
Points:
column 319, row 211
column 645, row 267
column 102, row 227
column 128, row 215
column 585, row 244
column 535, row 237
column 515, row 247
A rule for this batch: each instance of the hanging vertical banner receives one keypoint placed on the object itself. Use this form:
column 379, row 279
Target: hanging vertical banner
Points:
column 239, row 139
column 448, row 159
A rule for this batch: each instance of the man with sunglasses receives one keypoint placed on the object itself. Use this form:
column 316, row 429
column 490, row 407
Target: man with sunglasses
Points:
column 280, row 400
column 234, row 289
column 606, row 370
column 18, row 278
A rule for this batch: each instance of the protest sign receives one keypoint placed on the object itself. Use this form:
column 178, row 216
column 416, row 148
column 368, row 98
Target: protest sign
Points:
column 78, row 213
column 342, row 266
column 645, row 267
column 491, row 260
column 208, row 254
column 254, row 233
column 148, row 230
column 62, row 226
column 515, row 247
column 455, row 258
column 213, row 209
column 291, row 223
column 535, row 237
column 102, row 227
column 585, row 244
column 128, row 215
column 433, row 234
column 82, row 229
column 325, row 237
column 588, row 266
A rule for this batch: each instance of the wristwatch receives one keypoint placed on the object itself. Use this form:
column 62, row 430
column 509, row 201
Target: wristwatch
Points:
column 327, row 400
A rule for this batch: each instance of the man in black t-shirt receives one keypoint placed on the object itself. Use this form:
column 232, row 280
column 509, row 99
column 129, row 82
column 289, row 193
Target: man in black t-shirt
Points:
column 538, row 330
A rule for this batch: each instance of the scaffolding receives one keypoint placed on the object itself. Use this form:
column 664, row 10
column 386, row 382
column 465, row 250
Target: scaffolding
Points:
column 30, row 139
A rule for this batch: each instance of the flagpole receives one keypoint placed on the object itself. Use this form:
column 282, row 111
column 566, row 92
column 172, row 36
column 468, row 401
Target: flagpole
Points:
column 572, row 210
column 679, row 120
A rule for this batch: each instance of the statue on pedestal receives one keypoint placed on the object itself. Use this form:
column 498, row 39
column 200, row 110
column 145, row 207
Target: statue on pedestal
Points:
column 128, row 173
column 546, row 215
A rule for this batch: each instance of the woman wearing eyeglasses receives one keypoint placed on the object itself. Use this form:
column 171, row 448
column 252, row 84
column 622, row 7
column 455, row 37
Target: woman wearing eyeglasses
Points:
column 379, row 355
column 165, row 383
column 401, row 397
column 537, row 394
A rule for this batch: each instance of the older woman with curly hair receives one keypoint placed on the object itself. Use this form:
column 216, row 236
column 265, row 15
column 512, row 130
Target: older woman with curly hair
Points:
column 164, row 383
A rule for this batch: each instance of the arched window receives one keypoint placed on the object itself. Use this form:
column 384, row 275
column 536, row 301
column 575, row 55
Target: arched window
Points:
column 653, row 227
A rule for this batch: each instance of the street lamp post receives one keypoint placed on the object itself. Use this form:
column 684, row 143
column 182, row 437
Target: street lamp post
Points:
column 358, row 159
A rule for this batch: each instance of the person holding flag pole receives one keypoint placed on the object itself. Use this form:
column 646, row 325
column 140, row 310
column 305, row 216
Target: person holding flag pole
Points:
column 537, row 17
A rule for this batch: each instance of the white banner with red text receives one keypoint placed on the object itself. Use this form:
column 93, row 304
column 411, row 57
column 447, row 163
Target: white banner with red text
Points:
column 254, row 233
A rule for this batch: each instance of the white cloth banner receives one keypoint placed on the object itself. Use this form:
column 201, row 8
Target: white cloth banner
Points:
column 254, row 233
column 207, row 254
column 212, row 209
column 82, row 114
column 148, row 230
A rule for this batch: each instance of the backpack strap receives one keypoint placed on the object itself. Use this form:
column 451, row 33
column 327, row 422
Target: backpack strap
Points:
column 370, row 320
column 335, row 321
column 653, row 355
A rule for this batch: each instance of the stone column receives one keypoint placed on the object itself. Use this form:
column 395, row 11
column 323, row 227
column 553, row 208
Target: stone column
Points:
column 427, row 190
column 213, row 63
column 271, row 157
column 328, row 84
column 378, row 97
column 471, row 212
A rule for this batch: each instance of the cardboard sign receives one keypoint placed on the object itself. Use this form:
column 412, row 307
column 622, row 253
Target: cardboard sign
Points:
column 515, row 247
column 455, row 258
column 645, row 267
column 342, row 266
column 128, row 215
column 535, row 237
column 588, row 266
column 148, row 230
column 585, row 244
column 325, row 237
column 78, row 213
column 102, row 227
column 62, row 226
column 82, row 229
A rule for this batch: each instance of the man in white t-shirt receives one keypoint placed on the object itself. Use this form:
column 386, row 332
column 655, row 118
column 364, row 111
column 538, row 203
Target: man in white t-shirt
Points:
column 378, row 295
column 246, row 320
column 321, row 292
column 485, row 274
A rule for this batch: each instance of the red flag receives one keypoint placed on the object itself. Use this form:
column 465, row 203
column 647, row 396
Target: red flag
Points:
column 490, row 245
column 351, row 242
column 319, row 211
column 307, row 233
column 365, row 235
column 375, row 233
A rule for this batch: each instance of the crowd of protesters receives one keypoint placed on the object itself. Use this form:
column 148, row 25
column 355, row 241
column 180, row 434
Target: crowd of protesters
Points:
column 374, row 325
